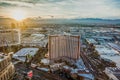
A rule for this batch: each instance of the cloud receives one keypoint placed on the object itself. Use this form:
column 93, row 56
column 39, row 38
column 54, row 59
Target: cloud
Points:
column 34, row 1
column 14, row 4
column 67, row 8
column 3, row 4
column 115, row 3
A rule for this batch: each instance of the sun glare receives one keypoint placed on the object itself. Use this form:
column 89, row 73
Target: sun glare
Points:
column 18, row 15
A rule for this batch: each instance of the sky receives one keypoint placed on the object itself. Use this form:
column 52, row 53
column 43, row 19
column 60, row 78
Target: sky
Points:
column 61, row 8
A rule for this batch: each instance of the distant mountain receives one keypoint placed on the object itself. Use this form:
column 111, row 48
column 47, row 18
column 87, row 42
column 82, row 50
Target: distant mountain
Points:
column 33, row 21
column 98, row 21
column 78, row 21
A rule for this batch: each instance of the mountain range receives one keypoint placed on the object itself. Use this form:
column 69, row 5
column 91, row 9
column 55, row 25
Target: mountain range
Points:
column 62, row 21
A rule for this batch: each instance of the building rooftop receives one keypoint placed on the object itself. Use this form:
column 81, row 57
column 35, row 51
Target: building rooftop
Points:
column 91, row 40
column 35, row 39
column 107, row 52
column 114, row 46
column 89, row 76
column 113, row 72
column 21, row 54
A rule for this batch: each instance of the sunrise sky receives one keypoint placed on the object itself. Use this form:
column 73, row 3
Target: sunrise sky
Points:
column 20, row 9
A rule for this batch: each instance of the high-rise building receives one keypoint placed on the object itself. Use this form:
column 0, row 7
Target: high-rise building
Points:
column 7, row 69
column 9, row 37
column 64, row 46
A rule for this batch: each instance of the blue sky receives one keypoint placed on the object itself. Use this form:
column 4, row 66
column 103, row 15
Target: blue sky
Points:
column 62, row 8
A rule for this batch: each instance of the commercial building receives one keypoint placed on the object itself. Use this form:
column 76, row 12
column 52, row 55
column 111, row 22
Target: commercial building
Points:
column 9, row 37
column 64, row 46
column 7, row 69
column 108, row 53
column 114, row 46
column 79, row 74
column 34, row 40
column 21, row 54
column 113, row 73
column 91, row 41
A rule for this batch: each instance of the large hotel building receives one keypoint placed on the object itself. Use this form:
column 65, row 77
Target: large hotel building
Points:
column 7, row 69
column 64, row 46
column 9, row 37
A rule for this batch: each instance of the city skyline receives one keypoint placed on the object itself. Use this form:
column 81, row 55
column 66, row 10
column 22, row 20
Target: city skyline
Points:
column 20, row 9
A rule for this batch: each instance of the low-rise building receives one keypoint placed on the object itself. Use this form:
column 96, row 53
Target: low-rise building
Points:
column 21, row 54
column 91, row 41
column 108, row 53
column 45, row 61
column 56, row 66
column 114, row 46
column 34, row 40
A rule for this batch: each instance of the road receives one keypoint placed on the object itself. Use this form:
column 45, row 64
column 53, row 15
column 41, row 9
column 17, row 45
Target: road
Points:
column 92, row 67
column 38, row 74
column 88, row 63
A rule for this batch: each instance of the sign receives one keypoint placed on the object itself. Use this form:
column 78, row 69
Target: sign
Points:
column 30, row 74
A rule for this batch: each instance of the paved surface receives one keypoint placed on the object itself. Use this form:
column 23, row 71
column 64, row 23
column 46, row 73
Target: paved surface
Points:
column 37, row 74
column 92, row 67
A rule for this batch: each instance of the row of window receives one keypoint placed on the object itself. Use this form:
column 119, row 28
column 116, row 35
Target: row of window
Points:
column 5, row 62
column 8, row 42
column 8, row 73
column 8, row 31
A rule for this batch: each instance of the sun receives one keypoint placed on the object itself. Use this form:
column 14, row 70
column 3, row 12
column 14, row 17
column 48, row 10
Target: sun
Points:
column 18, row 15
